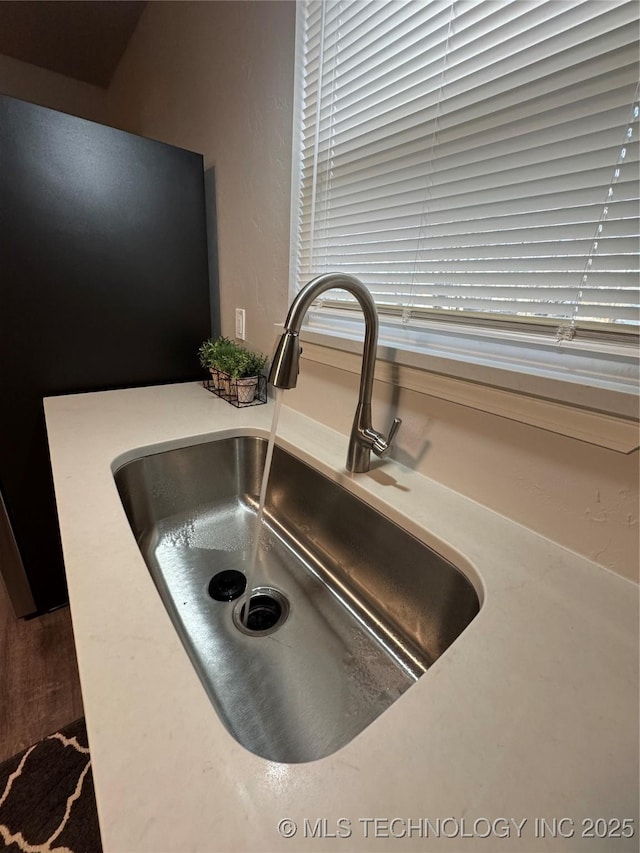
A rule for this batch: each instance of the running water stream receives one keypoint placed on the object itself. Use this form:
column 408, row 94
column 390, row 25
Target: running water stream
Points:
column 251, row 571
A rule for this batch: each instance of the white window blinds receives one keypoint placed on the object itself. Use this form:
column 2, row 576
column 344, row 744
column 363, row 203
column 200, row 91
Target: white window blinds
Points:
column 474, row 159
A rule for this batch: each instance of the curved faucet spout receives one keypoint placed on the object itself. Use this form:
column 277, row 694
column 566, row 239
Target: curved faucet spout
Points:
column 285, row 365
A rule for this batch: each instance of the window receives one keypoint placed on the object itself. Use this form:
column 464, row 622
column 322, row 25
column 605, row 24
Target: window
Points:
column 473, row 162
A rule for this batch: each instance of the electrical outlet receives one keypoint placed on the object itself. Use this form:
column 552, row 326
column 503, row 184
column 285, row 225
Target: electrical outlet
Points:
column 240, row 332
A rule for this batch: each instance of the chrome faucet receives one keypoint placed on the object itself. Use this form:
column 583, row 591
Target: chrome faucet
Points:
column 285, row 366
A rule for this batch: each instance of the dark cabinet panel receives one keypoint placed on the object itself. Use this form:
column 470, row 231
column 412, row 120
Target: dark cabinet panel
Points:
column 103, row 284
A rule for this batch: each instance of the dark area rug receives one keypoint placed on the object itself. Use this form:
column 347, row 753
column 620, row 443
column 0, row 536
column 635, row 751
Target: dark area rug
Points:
column 47, row 801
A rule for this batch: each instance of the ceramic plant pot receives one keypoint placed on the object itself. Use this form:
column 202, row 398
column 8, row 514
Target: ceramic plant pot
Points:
column 215, row 378
column 224, row 384
column 247, row 388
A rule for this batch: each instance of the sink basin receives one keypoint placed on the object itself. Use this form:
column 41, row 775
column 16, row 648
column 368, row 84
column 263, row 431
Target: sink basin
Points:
column 351, row 610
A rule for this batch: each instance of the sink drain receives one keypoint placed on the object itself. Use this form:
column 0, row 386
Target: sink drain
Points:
column 268, row 609
column 227, row 585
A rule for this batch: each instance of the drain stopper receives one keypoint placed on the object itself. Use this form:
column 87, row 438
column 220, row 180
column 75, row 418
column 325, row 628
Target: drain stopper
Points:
column 264, row 612
column 268, row 611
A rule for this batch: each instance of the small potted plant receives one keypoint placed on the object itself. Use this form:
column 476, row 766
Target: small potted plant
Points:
column 214, row 355
column 245, row 371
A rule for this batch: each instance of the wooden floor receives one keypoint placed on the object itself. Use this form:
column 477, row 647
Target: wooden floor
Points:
column 39, row 684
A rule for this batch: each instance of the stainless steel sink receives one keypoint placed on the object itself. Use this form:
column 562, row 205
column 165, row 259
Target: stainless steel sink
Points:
column 362, row 608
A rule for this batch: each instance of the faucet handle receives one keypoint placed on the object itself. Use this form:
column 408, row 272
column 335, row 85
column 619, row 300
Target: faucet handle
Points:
column 381, row 446
column 395, row 426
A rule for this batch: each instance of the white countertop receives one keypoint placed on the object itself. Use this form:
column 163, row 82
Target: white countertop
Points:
column 532, row 713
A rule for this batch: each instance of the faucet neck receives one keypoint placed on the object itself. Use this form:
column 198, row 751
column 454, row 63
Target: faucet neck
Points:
column 329, row 281
column 284, row 368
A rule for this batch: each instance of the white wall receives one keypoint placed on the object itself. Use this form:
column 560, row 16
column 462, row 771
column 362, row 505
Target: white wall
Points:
column 40, row 86
column 218, row 78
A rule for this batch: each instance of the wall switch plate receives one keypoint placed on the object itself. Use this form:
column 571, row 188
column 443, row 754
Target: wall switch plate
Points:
column 240, row 332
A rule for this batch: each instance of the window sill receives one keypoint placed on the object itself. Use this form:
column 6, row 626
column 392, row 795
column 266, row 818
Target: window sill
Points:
column 583, row 390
